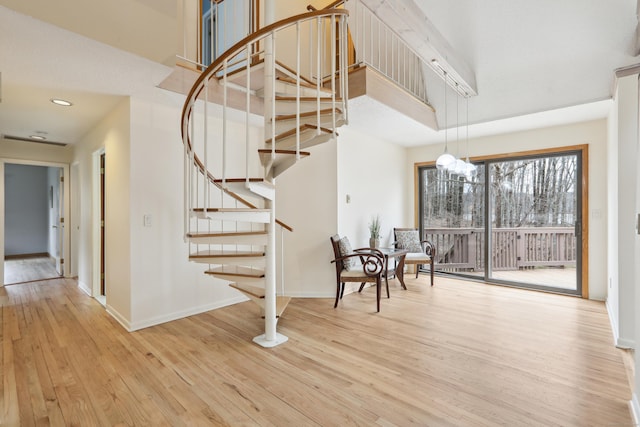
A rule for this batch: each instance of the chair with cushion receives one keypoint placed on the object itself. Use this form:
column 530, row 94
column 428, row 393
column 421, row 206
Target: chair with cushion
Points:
column 420, row 251
column 363, row 265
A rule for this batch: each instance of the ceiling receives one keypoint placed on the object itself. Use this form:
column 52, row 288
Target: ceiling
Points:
column 40, row 61
column 536, row 64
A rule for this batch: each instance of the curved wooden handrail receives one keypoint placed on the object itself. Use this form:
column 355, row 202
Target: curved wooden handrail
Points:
column 216, row 65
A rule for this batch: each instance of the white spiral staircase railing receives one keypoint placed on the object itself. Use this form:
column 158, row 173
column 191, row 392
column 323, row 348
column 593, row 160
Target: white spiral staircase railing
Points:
column 231, row 166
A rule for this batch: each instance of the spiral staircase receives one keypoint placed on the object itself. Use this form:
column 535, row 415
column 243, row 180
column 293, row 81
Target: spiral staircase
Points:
column 299, row 94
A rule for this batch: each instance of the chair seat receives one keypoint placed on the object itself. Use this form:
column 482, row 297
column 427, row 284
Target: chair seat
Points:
column 416, row 256
column 356, row 274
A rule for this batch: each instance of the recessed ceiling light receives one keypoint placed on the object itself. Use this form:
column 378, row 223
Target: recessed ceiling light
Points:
column 62, row 102
column 38, row 137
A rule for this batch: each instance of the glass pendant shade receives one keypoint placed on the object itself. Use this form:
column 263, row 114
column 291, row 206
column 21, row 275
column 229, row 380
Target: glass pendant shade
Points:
column 470, row 170
column 459, row 167
column 445, row 161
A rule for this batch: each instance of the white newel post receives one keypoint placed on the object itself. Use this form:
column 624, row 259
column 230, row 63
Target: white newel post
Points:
column 270, row 338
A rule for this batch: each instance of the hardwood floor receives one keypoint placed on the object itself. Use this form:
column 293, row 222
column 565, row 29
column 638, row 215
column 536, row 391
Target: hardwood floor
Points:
column 457, row 354
column 28, row 269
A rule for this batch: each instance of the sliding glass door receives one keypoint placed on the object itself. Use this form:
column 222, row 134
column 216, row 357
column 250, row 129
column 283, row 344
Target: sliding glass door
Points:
column 517, row 222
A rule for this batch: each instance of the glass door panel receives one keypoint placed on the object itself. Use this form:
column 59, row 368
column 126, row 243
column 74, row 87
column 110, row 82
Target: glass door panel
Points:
column 452, row 218
column 534, row 210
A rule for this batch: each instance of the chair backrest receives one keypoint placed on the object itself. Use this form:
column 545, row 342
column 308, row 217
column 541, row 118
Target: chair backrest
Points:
column 335, row 240
column 427, row 247
column 408, row 238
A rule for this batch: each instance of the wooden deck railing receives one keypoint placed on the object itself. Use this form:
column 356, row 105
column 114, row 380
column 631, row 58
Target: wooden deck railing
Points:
column 463, row 248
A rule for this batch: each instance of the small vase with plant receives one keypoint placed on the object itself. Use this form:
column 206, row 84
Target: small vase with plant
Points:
column 374, row 232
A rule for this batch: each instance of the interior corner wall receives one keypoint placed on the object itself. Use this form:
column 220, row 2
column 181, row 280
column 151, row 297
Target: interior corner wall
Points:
column 112, row 135
column 627, row 166
column 593, row 133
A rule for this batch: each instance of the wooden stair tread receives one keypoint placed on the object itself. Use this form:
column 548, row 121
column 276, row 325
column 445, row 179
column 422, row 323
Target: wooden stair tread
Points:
column 323, row 112
column 303, row 83
column 284, row 67
column 266, row 151
column 305, row 99
column 281, row 304
column 226, row 254
column 236, row 271
column 235, row 180
column 254, row 291
column 303, row 128
column 227, row 234
column 231, row 210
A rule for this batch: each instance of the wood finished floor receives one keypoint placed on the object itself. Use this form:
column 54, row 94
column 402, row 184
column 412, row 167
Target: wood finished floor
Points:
column 28, row 269
column 457, row 354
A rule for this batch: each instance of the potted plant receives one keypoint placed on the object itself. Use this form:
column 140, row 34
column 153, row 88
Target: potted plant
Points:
column 374, row 232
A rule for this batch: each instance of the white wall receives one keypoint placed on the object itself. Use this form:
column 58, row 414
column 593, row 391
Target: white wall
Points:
column 627, row 141
column 164, row 284
column 26, row 212
column 372, row 172
column 112, row 135
column 306, row 200
column 593, row 133
column 612, row 223
column 145, row 28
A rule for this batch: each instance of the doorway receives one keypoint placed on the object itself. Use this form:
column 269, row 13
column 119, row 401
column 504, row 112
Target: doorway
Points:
column 518, row 222
column 35, row 240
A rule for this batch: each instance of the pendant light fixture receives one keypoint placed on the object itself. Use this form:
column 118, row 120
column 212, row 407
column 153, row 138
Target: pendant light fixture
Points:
column 470, row 169
column 459, row 166
column 446, row 160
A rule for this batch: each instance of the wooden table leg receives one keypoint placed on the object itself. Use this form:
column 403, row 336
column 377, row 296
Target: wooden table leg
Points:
column 400, row 272
column 386, row 273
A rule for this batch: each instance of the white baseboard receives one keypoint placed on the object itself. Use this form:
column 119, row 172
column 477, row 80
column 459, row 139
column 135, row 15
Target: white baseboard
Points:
column 141, row 324
column 634, row 407
column 619, row 342
column 612, row 320
column 626, row 344
column 84, row 288
column 119, row 318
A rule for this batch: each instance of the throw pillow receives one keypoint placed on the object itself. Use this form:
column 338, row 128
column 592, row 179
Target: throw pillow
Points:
column 345, row 249
column 408, row 239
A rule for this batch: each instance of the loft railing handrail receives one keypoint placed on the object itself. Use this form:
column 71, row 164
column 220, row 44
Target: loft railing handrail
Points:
column 221, row 63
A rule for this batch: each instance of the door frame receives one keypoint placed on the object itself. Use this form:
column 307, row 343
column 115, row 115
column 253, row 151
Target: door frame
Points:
column 97, row 245
column 65, row 204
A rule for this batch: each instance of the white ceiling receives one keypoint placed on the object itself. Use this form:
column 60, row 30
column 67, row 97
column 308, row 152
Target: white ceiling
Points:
column 536, row 63
column 39, row 61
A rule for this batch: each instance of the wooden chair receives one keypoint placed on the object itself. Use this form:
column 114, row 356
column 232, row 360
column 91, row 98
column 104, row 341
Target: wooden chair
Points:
column 420, row 251
column 368, row 270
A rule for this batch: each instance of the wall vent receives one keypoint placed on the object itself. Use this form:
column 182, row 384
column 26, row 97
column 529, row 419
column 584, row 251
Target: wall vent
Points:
column 37, row 141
